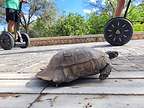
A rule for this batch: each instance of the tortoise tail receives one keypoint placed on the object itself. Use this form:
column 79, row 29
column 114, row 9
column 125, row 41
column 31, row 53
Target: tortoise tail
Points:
column 112, row 54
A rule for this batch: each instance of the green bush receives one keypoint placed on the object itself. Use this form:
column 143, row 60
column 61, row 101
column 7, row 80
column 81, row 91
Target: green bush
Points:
column 138, row 27
column 73, row 24
column 41, row 29
column 136, row 15
column 96, row 23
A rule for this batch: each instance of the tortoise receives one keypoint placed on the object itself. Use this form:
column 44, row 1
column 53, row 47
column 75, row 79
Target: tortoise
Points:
column 70, row 64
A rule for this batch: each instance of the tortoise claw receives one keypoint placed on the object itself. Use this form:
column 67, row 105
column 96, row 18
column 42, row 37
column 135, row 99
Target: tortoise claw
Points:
column 103, row 76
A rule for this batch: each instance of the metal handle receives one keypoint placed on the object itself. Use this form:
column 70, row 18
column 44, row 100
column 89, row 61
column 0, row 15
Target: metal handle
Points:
column 128, row 5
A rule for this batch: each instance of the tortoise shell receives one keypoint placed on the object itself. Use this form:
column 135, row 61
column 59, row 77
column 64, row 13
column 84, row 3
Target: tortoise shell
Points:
column 70, row 64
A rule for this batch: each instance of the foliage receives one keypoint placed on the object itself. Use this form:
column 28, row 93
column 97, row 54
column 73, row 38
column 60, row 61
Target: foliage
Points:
column 97, row 22
column 136, row 15
column 73, row 24
column 2, row 14
column 108, row 6
column 39, row 29
column 42, row 9
column 138, row 27
column 42, row 28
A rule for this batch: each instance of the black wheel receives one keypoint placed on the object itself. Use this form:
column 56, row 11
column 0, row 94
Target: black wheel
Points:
column 118, row 31
column 6, row 41
column 26, row 39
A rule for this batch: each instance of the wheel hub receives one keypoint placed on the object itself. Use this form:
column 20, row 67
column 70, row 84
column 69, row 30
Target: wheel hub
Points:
column 118, row 32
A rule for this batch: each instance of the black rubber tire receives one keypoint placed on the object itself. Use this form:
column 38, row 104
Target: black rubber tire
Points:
column 6, row 41
column 26, row 39
column 124, row 34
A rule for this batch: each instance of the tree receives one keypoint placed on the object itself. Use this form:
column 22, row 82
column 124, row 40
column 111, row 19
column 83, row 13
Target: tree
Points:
column 42, row 9
column 96, row 5
column 108, row 6
column 39, row 29
column 2, row 14
column 72, row 24
column 97, row 22
column 136, row 15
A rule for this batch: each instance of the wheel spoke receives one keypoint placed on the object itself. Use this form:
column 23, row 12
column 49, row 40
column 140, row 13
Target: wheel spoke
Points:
column 112, row 25
column 125, row 36
column 110, row 35
column 124, row 25
column 110, row 30
column 114, row 39
column 120, row 39
column 126, row 30
column 118, row 23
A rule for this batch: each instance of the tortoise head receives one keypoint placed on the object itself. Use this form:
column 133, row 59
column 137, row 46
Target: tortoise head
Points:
column 112, row 54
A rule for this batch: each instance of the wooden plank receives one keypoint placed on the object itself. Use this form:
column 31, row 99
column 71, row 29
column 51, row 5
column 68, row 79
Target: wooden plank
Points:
column 95, row 86
column 31, row 50
column 89, row 101
column 127, row 74
column 124, row 75
column 16, row 76
column 16, row 100
column 113, row 75
column 21, row 86
column 29, row 66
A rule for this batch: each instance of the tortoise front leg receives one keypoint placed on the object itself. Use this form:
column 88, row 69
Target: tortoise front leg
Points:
column 105, row 72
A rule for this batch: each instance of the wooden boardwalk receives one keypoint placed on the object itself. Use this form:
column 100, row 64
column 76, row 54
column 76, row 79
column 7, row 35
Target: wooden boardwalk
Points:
column 123, row 89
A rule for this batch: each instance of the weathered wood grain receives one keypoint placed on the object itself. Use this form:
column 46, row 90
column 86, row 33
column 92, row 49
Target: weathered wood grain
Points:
column 94, row 86
column 16, row 100
column 89, row 101
column 21, row 86
column 83, row 86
